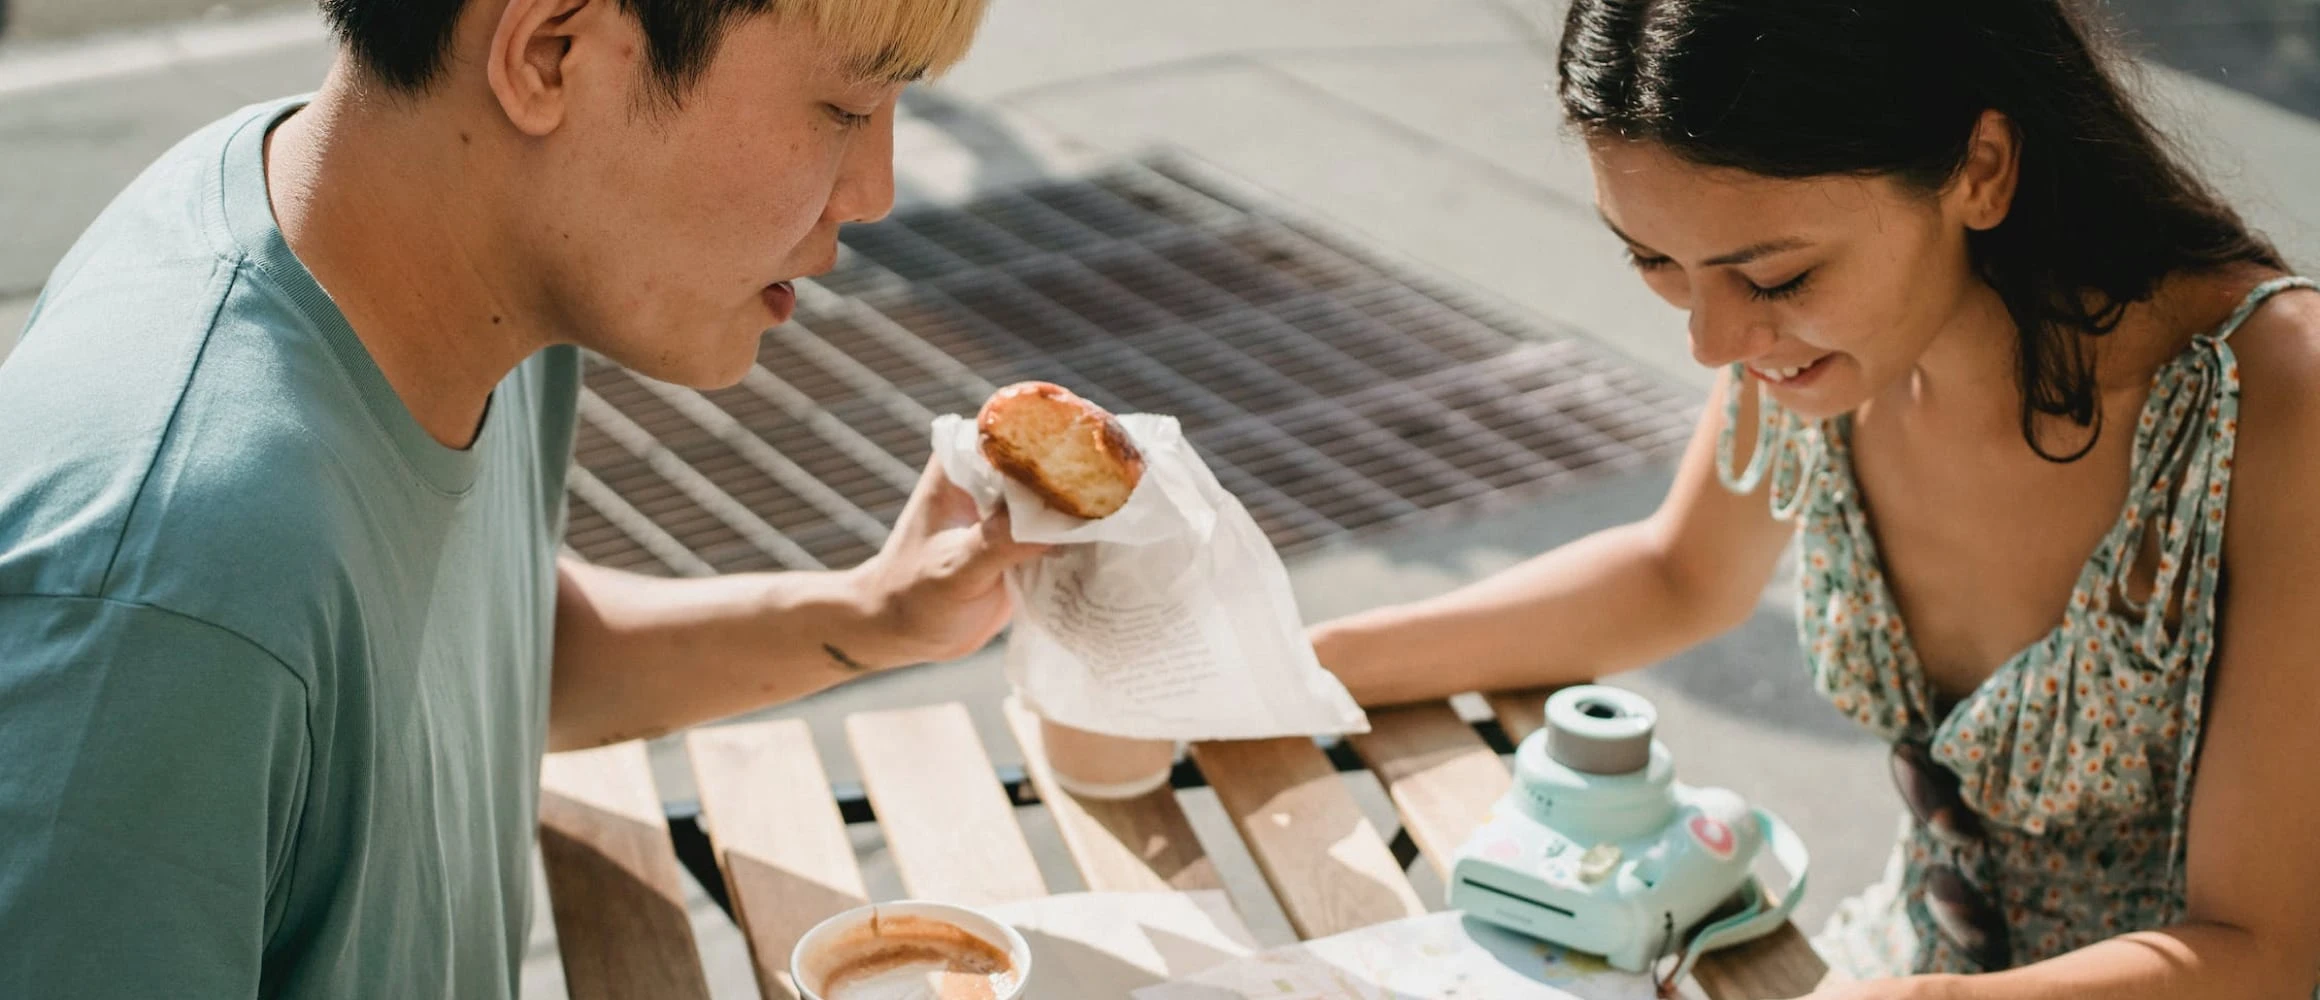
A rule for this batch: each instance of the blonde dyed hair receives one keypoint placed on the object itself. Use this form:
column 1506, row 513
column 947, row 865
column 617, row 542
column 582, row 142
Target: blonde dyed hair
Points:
column 893, row 39
column 877, row 39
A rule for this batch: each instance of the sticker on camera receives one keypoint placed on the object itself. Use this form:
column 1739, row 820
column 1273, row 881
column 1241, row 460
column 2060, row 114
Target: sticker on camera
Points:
column 1715, row 836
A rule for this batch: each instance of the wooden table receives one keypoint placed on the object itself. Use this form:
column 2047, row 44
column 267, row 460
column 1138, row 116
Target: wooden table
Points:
column 617, row 894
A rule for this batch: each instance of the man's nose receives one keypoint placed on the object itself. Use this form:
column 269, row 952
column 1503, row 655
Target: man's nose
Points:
column 865, row 188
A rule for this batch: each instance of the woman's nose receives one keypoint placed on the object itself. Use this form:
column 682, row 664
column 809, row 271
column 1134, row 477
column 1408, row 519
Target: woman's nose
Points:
column 1722, row 335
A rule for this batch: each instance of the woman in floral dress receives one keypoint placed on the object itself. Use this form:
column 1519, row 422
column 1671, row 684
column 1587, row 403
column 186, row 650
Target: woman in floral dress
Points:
column 2041, row 415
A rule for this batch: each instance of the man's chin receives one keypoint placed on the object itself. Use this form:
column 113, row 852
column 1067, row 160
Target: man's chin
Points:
column 706, row 367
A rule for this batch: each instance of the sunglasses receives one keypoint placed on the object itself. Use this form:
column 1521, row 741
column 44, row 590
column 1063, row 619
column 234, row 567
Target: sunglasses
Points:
column 1966, row 915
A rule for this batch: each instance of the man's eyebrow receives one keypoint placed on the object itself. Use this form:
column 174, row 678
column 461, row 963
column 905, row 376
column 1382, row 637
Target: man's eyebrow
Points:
column 1733, row 259
column 883, row 77
column 884, row 67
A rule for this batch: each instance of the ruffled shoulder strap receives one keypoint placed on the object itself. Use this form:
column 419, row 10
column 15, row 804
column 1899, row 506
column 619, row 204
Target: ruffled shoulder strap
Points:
column 2180, row 492
column 2255, row 300
column 1789, row 450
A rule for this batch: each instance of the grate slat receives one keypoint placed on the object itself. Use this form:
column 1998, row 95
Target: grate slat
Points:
column 604, row 502
column 772, row 463
column 674, row 471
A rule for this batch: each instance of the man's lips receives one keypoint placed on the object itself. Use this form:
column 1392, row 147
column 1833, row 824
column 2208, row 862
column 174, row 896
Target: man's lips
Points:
column 780, row 299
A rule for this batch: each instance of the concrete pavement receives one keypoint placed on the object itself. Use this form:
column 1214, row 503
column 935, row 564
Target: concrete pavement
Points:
column 35, row 21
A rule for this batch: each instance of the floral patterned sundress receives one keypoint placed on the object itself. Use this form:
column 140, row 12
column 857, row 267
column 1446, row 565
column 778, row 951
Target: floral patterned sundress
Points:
column 2078, row 753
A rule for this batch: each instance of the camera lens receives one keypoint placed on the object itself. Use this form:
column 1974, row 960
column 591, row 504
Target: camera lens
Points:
column 1599, row 730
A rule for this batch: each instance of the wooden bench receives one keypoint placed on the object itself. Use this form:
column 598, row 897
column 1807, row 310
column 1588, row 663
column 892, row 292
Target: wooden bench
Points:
column 782, row 846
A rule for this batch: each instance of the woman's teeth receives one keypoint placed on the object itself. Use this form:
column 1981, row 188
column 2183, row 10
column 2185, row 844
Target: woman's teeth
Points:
column 1782, row 374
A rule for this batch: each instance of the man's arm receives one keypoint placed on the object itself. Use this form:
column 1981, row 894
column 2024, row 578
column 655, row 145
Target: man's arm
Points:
column 151, row 773
column 638, row 656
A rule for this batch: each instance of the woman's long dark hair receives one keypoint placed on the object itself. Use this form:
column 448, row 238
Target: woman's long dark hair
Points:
column 2104, row 209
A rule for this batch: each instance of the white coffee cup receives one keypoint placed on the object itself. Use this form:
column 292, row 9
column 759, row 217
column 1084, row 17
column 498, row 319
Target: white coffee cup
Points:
column 818, row 953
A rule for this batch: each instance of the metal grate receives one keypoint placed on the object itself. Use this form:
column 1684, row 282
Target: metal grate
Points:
column 1334, row 392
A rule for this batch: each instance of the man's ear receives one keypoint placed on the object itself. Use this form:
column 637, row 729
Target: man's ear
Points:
column 530, row 55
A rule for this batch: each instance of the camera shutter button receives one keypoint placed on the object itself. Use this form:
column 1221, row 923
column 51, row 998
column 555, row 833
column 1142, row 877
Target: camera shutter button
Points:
column 1598, row 863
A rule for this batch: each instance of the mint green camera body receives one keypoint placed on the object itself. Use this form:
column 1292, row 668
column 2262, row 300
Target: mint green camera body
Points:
column 1613, row 856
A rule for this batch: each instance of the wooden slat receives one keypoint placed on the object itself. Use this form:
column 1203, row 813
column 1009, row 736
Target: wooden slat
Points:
column 779, row 837
column 1520, row 713
column 613, row 882
column 1138, row 845
column 946, row 818
column 1777, row 967
column 1442, row 777
column 1327, row 865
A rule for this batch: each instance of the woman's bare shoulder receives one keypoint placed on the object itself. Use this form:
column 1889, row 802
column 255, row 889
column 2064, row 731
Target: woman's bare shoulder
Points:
column 2279, row 352
column 2277, row 451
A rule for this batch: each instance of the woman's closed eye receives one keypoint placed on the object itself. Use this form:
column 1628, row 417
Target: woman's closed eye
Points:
column 1789, row 289
column 848, row 119
column 1785, row 290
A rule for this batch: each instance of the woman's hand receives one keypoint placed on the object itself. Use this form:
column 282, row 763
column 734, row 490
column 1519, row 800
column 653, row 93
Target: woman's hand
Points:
column 1911, row 988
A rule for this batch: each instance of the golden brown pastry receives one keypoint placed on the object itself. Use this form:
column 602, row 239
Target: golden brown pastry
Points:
column 1071, row 452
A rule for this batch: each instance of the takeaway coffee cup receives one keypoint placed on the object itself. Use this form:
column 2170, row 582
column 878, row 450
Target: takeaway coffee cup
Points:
column 1096, row 766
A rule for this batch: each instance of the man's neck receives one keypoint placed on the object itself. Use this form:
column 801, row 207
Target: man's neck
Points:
column 374, row 199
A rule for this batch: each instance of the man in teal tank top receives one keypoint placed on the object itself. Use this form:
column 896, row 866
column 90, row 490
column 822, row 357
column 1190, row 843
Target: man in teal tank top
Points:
column 284, row 629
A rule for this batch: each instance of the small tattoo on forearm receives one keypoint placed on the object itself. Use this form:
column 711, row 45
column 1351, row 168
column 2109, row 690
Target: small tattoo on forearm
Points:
column 852, row 665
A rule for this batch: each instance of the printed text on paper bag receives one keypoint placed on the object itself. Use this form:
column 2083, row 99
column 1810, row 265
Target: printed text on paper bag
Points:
column 1150, row 652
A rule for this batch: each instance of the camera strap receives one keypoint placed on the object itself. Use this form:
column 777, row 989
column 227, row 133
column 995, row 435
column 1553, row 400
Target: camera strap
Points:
column 1759, row 918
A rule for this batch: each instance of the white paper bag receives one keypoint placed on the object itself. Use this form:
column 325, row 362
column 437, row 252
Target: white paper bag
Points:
column 1171, row 619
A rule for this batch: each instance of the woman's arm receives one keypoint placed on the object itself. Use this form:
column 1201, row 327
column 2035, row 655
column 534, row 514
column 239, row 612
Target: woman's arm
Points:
column 2190, row 961
column 1608, row 602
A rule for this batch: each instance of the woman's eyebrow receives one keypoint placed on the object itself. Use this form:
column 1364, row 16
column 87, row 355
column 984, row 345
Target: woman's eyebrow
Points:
column 1753, row 251
column 1733, row 259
